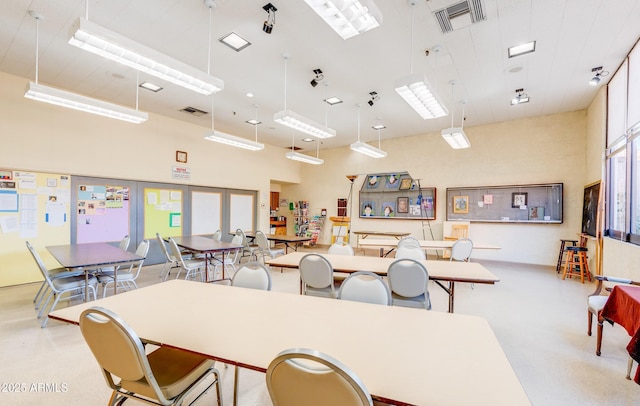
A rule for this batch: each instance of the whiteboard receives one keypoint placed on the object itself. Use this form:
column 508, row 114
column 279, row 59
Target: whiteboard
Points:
column 206, row 212
column 241, row 212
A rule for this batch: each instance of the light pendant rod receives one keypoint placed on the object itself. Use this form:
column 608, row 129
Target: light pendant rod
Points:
column 411, row 42
column 101, row 41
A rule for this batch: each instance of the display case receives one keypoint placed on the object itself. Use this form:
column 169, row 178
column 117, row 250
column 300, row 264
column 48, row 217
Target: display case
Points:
column 396, row 196
column 538, row 203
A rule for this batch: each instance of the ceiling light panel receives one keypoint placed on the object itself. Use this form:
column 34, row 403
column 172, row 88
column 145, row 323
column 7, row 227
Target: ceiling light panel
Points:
column 235, row 42
column 348, row 18
column 522, row 49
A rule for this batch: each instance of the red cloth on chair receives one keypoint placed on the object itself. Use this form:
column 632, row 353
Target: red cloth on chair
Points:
column 623, row 307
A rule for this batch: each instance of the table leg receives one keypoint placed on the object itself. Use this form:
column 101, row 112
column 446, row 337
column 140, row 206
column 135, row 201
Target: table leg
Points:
column 223, row 264
column 452, row 286
column 235, row 386
column 86, row 284
column 115, row 280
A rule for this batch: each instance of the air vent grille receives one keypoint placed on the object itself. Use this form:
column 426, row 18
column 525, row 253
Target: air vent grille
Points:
column 460, row 15
column 194, row 111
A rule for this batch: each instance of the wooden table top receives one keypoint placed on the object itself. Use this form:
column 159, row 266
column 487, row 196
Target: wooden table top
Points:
column 383, row 233
column 412, row 356
column 198, row 243
column 90, row 255
column 282, row 238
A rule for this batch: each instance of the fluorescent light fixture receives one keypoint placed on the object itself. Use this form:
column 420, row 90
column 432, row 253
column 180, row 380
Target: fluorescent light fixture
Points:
column 456, row 138
column 150, row 86
column 253, row 121
column 303, row 124
column 522, row 49
column 295, row 156
column 308, row 139
column 94, row 38
column 348, row 17
column 75, row 101
column 378, row 127
column 415, row 90
column 235, row 42
column 332, row 100
column 367, row 149
column 234, row 141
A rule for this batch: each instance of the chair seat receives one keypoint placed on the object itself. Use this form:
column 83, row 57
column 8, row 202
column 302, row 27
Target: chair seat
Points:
column 321, row 292
column 63, row 273
column 417, row 302
column 185, row 368
column 596, row 303
column 72, row 282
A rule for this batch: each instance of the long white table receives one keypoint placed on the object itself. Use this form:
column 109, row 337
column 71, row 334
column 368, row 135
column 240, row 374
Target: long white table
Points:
column 403, row 355
column 439, row 271
column 390, row 243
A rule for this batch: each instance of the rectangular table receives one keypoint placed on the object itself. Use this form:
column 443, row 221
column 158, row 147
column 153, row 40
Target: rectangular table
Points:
column 383, row 243
column 439, row 271
column 92, row 256
column 207, row 246
column 403, row 355
column 284, row 239
column 623, row 307
column 365, row 234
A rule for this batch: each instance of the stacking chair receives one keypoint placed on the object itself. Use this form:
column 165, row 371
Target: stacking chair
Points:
column 317, row 276
column 340, row 248
column 126, row 279
column 164, row 376
column 461, row 251
column 249, row 249
column 54, row 273
column 190, row 266
column 123, row 245
column 301, row 376
column 217, row 236
column 230, row 258
column 409, row 247
column 264, row 247
column 171, row 261
column 252, row 275
column 408, row 281
column 72, row 284
column 367, row 287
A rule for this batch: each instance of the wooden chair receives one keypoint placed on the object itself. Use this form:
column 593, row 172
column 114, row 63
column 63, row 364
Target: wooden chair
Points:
column 457, row 232
column 577, row 263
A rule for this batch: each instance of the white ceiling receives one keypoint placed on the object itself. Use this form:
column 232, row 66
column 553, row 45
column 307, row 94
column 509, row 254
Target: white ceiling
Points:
column 572, row 37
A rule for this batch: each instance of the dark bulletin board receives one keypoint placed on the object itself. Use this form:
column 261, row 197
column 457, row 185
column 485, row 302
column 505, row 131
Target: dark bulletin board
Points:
column 590, row 208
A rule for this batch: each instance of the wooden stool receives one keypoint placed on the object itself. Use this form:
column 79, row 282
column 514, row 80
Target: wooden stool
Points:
column 577, row 263
column 563, row 249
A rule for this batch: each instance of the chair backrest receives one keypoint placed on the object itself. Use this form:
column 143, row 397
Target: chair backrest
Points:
column 261, row 240
column 461, row 250
column 245, row 241
column 410, row 252
column 410, row 242
column 175, row 252
column 124, row 243
column 341, row 248
column 316, row 271
column 141, row 251
column 217, row 235
column 460, row 230
column 409, row 278
column 118, row 350
column 43, row 269
column 364, row 286
column 164, row 249
column 252, row 275
column 302, row 376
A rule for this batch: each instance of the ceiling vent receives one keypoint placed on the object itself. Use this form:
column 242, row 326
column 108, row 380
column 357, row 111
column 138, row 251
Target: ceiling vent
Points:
column 194, row 111
column 460, row 15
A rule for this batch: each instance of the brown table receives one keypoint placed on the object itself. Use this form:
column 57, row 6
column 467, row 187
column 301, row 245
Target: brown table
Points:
column 439, row 271
column 403, row 356
column 92, row 256
column 284, row 239
column 206, row 246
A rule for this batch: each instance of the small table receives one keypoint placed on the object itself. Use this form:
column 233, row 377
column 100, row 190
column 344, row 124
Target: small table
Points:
column 91, row 256
column 207, row 246
column 365, row 234
column 287, row 240
column 424, row 244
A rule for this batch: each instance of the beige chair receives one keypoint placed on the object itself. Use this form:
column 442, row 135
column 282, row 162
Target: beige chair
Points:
column 409, row 247
column 340, row 248
column 123, row 245
column 317, row 276
column 455, row 232
column 367, row 287
column 126, row 278
column 74, row 285
column 264, row 247
column 164, row 376
column 252, row 275
column 249, row 248
column 230, row 259
column 171, row 261
column 217, row 236
column 307, row 377
column 192, row 267
column 409, row 283
column 53, row 273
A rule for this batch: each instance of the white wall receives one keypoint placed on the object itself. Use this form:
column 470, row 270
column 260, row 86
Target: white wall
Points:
column 545, row 149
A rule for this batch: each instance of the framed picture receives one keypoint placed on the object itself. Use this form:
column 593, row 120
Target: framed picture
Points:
column 518, row 199
column 393, row 181
column 590, row 208
column 405, row 184
column 181, row 156
column 403, row 205
column 373, row 181
column 461, row 204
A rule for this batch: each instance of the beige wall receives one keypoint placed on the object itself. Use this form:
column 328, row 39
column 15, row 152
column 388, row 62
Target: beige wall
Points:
column 536, row 150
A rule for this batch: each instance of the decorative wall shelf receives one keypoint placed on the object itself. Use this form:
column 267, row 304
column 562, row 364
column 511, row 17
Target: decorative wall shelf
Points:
column 396, row 196
column 539, row 203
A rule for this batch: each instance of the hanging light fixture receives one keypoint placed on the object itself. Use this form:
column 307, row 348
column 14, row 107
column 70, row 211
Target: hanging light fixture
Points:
column 348, row 17
column 101, row 41
column 296, row 156
column 417, row 91
column 36, row 91
column 365, row 148
column 455, row 136
column 298, row 122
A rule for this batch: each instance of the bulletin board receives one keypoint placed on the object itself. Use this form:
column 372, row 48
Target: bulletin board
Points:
column 34, row 207
column 102, row 213
column 162, row 212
